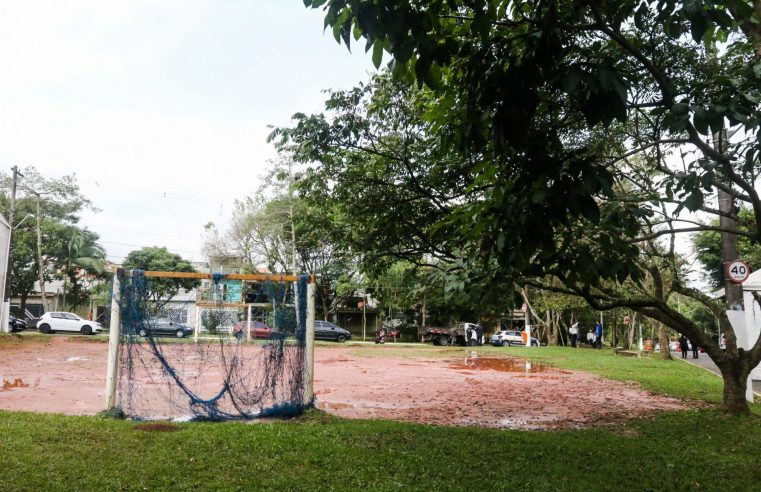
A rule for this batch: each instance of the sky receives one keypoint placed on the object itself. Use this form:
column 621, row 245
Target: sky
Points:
column 160, row 108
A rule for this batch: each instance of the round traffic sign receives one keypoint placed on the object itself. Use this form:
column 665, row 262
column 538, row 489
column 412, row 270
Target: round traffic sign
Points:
column 737, row 271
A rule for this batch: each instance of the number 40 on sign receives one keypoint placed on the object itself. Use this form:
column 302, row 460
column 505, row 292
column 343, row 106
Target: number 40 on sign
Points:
column 737, row 271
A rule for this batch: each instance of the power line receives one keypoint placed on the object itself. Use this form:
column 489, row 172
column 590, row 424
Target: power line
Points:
column 170, row 195
column 144, row 246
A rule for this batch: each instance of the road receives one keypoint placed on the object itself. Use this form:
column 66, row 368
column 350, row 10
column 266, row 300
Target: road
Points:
column 706, row 363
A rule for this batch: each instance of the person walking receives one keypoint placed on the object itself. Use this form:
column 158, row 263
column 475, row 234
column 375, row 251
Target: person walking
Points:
column 574, row 332
column 480, row 334
column 238, row 331
column 598, row 335
column 683, row 346
column 591, row 338
column 694, row 349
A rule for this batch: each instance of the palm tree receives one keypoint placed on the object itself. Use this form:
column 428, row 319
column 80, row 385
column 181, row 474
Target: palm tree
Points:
column 82, row 253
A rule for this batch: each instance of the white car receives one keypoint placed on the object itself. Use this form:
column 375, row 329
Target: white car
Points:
column 510, row 337
column 60, row 321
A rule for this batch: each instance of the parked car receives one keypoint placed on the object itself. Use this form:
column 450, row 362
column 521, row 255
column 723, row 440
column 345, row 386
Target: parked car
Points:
column 164, row 327
column 511, row 337
column 61, row 321
column 25, row 315
column 325, row 330
column 259, row 329
column 15, row 324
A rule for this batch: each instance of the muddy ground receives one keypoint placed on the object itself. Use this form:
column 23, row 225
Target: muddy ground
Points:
column 62, row 374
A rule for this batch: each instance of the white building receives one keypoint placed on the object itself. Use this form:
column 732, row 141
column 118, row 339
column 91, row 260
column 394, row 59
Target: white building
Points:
column 5, row 243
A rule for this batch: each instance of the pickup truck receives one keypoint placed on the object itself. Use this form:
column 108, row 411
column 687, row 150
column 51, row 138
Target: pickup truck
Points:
column 449, row 336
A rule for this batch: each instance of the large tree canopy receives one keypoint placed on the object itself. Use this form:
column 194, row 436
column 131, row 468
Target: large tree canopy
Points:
column 549, row 140
column 162, row 290
column 48, row 241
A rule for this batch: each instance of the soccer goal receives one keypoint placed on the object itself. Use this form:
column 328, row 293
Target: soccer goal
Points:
column 229, row 355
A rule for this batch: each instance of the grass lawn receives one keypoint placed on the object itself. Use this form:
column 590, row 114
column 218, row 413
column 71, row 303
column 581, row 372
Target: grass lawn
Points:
column 672, row 451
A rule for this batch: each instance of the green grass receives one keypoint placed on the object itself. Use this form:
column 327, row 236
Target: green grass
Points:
column 691, row 449
column 672, row 451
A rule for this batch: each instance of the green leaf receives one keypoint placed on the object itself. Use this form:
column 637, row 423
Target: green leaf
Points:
column 694, row 201
column 377, row 53
column 698, row 26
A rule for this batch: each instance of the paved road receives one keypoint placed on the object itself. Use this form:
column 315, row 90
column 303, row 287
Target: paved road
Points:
column 705, row 362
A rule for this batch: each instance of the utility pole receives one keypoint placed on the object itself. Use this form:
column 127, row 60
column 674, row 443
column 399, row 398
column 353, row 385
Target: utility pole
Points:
column 7, row 284
column 729, row 253
column 734, row 292
column 40, row 262
column 296, row 303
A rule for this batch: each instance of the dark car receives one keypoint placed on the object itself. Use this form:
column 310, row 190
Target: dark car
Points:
column 15, row 324
column 325, row 330
column 164, row 327
column 29, row 318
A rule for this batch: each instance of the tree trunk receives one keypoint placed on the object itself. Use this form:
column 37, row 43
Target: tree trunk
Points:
column 23, row 296
column 562, row 329
column 549, row 322
column 663, row 340
column 735, row 378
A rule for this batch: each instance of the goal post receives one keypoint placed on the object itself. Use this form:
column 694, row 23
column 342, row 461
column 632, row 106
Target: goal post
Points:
column 114, row 334
column 255, row 378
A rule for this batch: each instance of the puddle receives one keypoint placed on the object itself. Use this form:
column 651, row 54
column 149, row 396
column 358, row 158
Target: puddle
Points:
column 501, row 365
column 17, row 383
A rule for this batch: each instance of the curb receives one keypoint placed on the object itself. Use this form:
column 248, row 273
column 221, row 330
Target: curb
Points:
column 755, row 393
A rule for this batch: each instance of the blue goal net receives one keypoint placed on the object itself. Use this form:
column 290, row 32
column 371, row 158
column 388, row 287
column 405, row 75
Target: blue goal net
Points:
column 218, row 363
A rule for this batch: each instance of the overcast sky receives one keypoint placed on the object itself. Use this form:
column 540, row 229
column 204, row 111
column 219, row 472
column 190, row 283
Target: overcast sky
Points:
column 161, row 108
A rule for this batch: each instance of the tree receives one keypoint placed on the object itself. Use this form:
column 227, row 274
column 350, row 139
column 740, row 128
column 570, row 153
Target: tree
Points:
column 56, row 205
column 278, row 229
column 161, row 290
column 554, row 102
column 83, row 260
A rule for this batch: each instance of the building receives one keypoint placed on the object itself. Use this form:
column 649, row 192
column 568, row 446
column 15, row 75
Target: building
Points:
column 5, row 244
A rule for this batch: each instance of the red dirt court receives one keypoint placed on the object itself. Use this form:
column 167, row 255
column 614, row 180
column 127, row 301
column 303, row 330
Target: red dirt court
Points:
column 62, row 374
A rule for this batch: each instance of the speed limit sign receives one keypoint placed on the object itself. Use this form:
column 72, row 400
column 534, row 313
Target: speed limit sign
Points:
column 737, row 271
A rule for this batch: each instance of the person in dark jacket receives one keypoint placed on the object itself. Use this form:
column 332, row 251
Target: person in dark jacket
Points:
column 598, row 335
column 480, row 334
column 684, row 346
column 694, row 349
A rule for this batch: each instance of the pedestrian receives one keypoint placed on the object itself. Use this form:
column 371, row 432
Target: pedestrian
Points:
column 238, row 331
column 473, row 338
column 574, row 332
column 591, row 338
column 694, row 349
column 683, row 346
column 480, row 334
column 598, row 335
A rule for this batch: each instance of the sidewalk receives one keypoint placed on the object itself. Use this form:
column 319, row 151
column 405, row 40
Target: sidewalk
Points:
column 706, row 363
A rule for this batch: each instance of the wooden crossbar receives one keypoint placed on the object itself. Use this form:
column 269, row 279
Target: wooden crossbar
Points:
column 256, row 277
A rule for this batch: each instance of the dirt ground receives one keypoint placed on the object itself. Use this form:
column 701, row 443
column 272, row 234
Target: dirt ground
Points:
column 62, row 374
